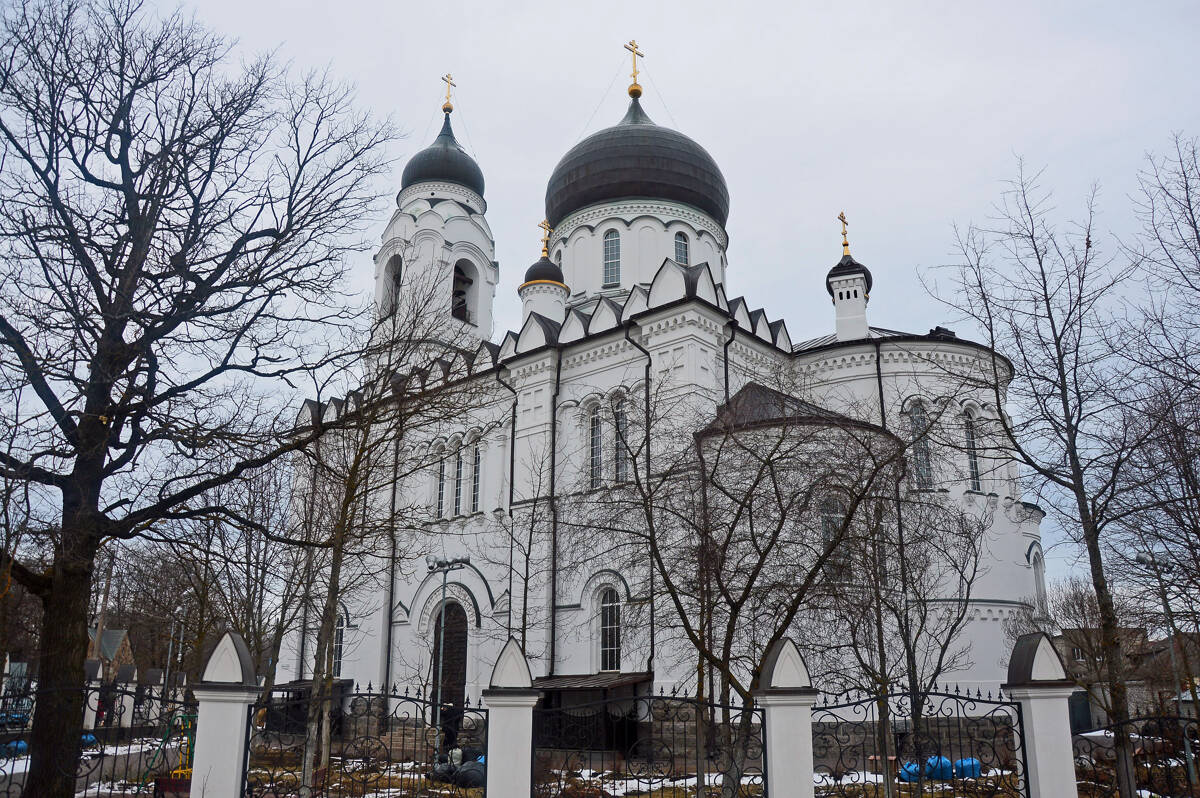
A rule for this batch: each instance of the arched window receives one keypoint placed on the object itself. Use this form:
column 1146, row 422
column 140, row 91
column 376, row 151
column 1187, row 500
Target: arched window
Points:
column 441, row 487
column 612, row 258
column 475, row 478
column 922, row 461
column 595, row 449
column 610, row 630
column 339, row 642
column 392, row 277
column 458, row 481
column 681, row 249
column 1039, row 584
column 972, row 452
column 621, row 442
column 558, row 258
column 462, row 298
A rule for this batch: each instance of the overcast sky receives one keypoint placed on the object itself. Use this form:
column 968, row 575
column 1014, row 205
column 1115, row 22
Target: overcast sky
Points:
column 907, row 116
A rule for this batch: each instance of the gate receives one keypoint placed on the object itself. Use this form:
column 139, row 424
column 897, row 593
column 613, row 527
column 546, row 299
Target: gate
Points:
column 365, row 743
column 132, row 742
column 956, row 743
column 642, row 745
column 1162, row 746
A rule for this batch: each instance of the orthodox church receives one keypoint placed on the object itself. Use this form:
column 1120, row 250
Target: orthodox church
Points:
column 634, row 291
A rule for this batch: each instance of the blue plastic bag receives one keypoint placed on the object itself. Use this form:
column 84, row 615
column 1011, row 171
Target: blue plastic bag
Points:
column 909, row 772
column 939, row 767
column 969, row 768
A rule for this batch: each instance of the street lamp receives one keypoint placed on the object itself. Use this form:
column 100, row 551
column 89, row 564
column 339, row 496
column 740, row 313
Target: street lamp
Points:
column 166, row 688
column 1149, row 560
column 444, row 567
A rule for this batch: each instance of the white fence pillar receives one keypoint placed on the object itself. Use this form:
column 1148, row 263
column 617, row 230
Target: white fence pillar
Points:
column 225, row 694
column 787, row 698
column 91, row 696
column 1038, row 682
column 126, row 684
column 510, row 700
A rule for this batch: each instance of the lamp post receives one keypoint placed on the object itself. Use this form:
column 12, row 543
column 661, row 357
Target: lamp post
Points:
column 170, row 652
column 444, row 567
column 1149, row 560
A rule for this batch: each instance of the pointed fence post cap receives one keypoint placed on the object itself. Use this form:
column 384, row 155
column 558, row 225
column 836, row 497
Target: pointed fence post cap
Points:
column 1034, row 659
column 512, row 669
column 784, row 668
column 230, row 662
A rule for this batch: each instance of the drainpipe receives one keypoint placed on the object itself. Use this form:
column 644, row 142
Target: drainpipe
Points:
column 512, row 461
column 391, row 593
column 646, row 426
column 554, row 510
column 733, row 328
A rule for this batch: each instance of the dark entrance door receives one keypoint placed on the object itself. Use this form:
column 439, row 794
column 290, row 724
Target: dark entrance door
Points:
column 454, row 671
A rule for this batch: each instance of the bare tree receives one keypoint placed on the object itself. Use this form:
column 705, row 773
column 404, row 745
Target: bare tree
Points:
column 174, row 225
column 1045, row 298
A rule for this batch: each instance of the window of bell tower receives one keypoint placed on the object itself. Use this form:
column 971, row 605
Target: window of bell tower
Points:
column 463, row 293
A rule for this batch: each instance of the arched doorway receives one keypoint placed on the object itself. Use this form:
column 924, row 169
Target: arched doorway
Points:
column 454, row 671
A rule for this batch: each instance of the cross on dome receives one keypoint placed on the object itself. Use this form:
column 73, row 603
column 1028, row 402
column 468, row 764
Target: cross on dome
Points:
column 635, row 90
column 448, row 79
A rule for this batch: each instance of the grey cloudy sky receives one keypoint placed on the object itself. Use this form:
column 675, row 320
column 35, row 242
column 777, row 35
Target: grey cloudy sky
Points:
column 907, row 116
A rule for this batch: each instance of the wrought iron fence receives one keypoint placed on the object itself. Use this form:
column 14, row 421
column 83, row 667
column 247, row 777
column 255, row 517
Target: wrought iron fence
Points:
column 955, row 743
column 132, row 742
column 648, row 745
column 360, row 743
column 1162, row 745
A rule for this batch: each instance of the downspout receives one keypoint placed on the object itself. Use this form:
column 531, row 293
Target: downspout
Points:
column 733, row 328
column 646, row 428
column 391, row 595
column 554, row 510
column 512, row 462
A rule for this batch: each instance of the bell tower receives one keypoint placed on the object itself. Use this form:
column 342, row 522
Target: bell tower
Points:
column 438, row 255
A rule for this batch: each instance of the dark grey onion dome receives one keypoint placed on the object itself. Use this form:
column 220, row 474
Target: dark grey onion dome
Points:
column 444, row 161
column 544, row 269
column 845, row 267
column 636, row 158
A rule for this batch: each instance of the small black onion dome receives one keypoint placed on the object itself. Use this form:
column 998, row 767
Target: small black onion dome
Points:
column 636, row 158
column 544, row 269
column 847, row 266
column 444, row 161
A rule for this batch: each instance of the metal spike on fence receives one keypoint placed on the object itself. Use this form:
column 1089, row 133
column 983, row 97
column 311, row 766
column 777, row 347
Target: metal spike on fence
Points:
column 369, row 688
column 662, row 690
column 393, row 688
column 978, row 693
column 957, row 691
column 989, row 698
column 406, row 691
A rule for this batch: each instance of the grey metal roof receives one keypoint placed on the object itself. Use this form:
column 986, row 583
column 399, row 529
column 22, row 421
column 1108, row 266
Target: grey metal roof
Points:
column 444, row 160
column 825, row 340
column 758, row 404
column 636, row 158
column 110, row 643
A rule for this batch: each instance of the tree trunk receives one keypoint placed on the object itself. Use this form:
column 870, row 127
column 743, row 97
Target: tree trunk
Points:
column 58, row 720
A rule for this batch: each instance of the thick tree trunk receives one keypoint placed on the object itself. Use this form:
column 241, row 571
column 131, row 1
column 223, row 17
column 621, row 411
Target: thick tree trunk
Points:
column 58, row 718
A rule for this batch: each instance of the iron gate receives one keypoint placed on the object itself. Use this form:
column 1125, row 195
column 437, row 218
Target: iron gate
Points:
column 641, row 745
column 359, row 743
column 954, row 742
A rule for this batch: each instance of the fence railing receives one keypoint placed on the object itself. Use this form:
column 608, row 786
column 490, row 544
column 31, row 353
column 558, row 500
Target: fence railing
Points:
column 1159, row 756
column 355, row 743
column 134, row 741
column 648, row 745
column 889, row 745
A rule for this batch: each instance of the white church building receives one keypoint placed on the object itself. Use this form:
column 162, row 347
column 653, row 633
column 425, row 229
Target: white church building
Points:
column 634, row 288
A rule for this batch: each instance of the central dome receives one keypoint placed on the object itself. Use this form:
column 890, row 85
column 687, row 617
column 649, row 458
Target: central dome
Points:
column 636, row 158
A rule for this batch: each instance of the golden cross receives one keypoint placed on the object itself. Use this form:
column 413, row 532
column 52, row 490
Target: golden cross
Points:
column 845, row 241
column 449, row 81
column 546, row 230
column 633, row 48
